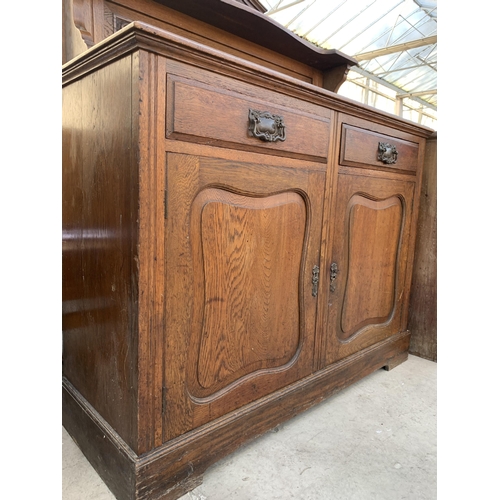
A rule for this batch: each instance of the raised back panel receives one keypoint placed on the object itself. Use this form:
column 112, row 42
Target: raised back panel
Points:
column 374, row 239
column 250, row 265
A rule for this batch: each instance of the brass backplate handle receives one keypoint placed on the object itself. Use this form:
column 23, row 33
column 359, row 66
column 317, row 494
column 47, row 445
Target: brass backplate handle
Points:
column 333, row 275
column 387, row 153
column 266, row 126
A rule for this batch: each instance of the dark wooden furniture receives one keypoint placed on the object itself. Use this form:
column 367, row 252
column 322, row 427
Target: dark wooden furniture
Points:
column 238, row 245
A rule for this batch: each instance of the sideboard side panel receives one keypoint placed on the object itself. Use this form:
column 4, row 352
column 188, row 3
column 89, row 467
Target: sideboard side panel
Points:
column 100, row 273
column 422, row 320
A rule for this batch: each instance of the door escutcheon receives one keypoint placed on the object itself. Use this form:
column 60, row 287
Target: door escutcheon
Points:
column 315, row 281
column 333, row 275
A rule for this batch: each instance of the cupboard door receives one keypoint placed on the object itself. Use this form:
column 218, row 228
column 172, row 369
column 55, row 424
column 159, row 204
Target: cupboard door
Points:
column 242, row 242
column 371, row 234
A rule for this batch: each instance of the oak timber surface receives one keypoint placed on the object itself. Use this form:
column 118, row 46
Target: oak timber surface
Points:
column 99, row 238
column 423, row 309
column 268, row 221
column 219, row 315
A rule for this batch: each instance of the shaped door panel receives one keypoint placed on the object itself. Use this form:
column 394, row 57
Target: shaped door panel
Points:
column 371, row 260
column 370, row 245
column 248, row 255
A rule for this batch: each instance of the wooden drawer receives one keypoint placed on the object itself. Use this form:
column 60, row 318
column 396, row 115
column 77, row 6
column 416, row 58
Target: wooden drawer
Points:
column 368, row 149
column 199, row 112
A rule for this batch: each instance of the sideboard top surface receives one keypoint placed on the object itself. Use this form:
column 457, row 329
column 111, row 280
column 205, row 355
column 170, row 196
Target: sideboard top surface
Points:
column 139, row 35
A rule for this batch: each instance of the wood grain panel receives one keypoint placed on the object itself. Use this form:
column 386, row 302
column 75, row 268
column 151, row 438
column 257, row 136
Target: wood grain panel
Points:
column 374, row 240
column 422, row 321
column 249, row 234
column 151, row 319
column 251, row 262
column 370, row 244
column 100, row 241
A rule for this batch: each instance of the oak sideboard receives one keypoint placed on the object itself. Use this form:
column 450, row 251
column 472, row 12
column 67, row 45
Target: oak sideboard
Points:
column 237, row 246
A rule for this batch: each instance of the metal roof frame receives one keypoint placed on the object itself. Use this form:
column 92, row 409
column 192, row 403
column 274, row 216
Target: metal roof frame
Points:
column 394, row 41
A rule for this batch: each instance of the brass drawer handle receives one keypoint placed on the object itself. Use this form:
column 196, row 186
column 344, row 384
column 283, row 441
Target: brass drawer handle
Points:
column 333, row 276
column 387, row 153
column 266, row 126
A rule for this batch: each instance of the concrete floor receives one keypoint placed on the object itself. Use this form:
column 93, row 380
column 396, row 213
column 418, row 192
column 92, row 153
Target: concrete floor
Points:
column 374, row 440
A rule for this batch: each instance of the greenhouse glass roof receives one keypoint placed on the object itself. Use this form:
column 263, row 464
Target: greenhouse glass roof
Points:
column 394, row 41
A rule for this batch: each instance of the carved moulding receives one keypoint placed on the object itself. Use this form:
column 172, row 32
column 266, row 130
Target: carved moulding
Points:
column 224, row 353
column 374, row 303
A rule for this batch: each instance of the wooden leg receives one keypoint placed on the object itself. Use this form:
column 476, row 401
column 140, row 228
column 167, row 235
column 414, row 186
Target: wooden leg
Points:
column 396, row 360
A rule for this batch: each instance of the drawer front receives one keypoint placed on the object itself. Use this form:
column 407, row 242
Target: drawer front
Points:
column 368, row 149
column 198, row 112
